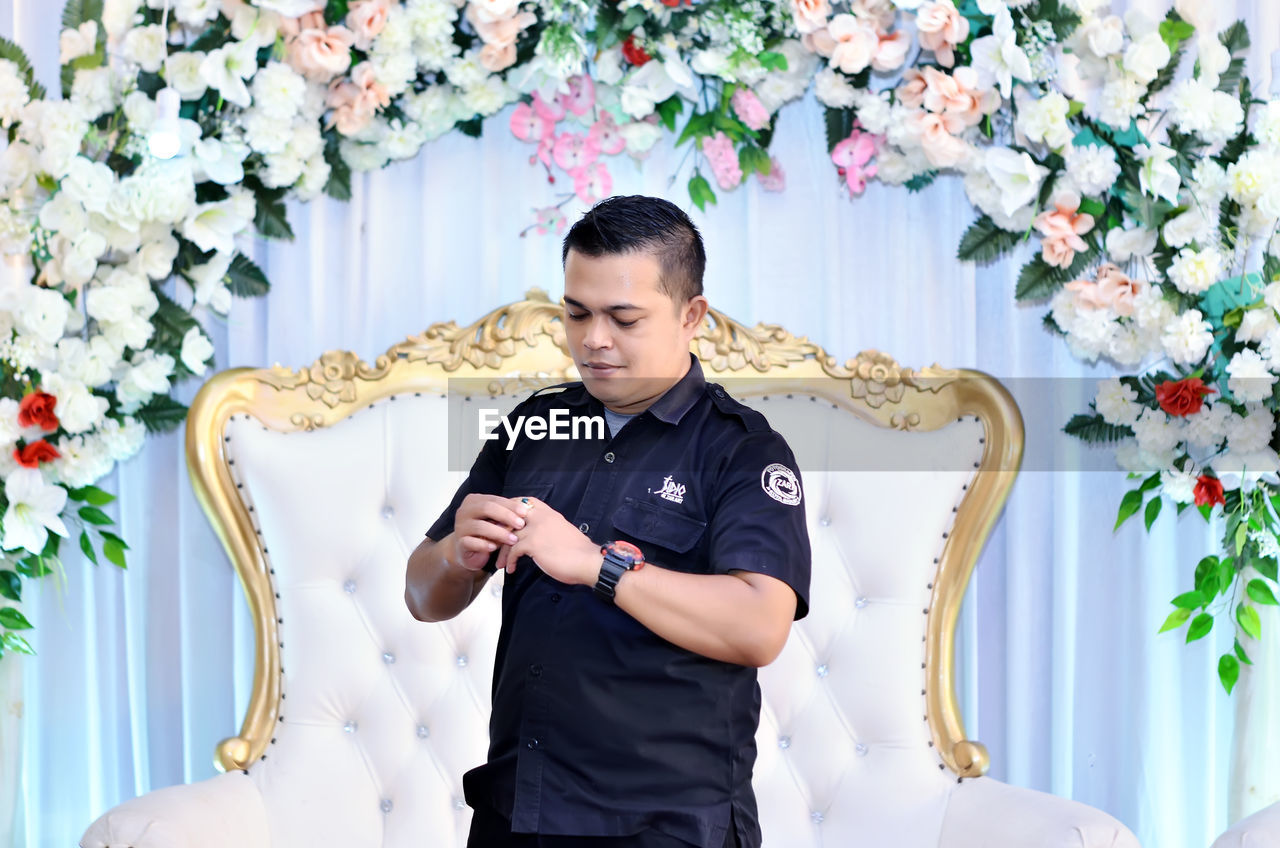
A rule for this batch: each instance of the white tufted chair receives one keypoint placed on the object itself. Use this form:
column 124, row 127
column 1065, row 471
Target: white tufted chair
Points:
column 362, row 720
column 1260, row 830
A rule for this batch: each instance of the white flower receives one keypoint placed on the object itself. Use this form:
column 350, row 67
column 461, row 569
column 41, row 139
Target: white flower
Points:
column 196, row 13
column 34, row 509
column 257, row 25
column 74, row 43
column 91, row 363
column 983, row 193
column 196, row 350
column 1017, row 176
column 147, row 375
column 489, row 96
column 1117, row 402
column 13, row 93
column 184, row 74
column 1180, row 485
column 1192, row 272
column 1158, row 436
column 1256, row 325
column 1213, row 58
column 1191, row 105
column 1250, row 380
column 1157, row 175
column 291, row 8
column 874, row 111
column 43, row 312
column 1198, row 13
column 1137, row 241
column 226, row 68
column 1226, row 119
column 833, row 89
column 640, row 137
column 466, row 71
column 89, row 183
column 118, row 16
column 1186, row 338
column 997, row 57
column 1146, row 56
column 1251, row 175
column 92, row 92
column 1092, row 168
column 1207, row 428
column 1121, row 100
column 653, row 83
column 278, row 89
column 219, row 161
column 1251, row 432
column 146, row 47
column 208, row 282
column 213, row 226
column 1045, row 120
column 1267, row 124
column 1197, row 223
column 79, row 410
column 1102, row 37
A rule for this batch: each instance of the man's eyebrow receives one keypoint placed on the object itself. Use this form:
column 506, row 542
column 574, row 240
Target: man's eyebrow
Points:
column 617, row 307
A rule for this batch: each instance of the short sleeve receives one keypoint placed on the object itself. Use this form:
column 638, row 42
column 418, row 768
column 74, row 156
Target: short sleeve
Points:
column 758, row 522
column 486, row 478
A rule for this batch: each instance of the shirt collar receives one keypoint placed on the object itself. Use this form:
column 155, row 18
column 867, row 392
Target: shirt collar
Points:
column 681, row 397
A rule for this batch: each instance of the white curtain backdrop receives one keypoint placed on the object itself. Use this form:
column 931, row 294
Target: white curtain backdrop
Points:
column 140, row 673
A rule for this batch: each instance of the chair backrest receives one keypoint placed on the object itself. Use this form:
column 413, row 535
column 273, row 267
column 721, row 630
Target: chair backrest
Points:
column 361, row 722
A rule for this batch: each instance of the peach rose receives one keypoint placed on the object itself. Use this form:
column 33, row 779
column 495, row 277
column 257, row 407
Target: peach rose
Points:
column 1117, row 290
column 497, row 57
column 941, row 28
column 819, row 41
column 355, row 101
column 290, row 27
column 501, row 33
column 911, row 90
column 321, row 54
column 855, row 43
column 879, row 13
column 490, row 11
column 1062, row 229
column 367, row 18
column 810, row 15
column 938, row 139
column 891, row 52
column 955, row 94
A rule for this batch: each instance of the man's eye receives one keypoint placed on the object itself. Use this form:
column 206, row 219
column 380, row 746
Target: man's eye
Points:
column 577, row 316
column 627, row 323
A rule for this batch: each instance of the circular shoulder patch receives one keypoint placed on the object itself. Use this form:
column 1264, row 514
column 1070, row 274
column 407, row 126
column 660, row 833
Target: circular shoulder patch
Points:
column 781, row 484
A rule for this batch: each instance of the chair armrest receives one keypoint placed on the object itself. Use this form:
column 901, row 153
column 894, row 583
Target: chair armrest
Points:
column 1260, row 830
column 214, row 813
column 983, row 812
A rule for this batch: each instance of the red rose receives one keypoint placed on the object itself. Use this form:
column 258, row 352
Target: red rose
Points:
column 35, row 453
column 37, row 409
column 1182, row 397
column 1208, row 491
column 633, row 52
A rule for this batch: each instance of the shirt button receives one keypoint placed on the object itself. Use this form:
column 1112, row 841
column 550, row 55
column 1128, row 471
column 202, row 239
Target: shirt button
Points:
column 534, row 744
column 719, row 393
column 555, row 597
column 584, row 527
column 536, row 670
column 609, row 457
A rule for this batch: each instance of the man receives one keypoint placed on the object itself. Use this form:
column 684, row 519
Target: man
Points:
column 648, row 574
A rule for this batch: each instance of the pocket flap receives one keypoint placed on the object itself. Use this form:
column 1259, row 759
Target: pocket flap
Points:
column 664, row 527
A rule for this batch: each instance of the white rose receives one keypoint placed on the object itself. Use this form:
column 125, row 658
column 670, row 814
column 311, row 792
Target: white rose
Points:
column 832, row 89
column 1250, row 380
column 1192, row 272
column 89, row 183
column 74, row 43
column 1091, row 168
column 146, row 47
column 13, row 93
column 1199, row 13
column 148, row 375
column 184, row 74
column 1186, row 338
column 1045, row 120
column 291, row 8
column 1190, row 226
column 1226, row 119
column 195, row 13
column 1117, row 402
column 155, row 258
column 44, row 313
column 1213, row 56
column 1146, row 56
column 1102, row 36
column 118, row 16
column 640, row 136
column 79, row 410
column 92, row 92
column 196, row 350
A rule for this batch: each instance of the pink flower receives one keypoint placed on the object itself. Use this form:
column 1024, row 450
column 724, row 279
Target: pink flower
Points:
column 545, row 147
column 941, row 28
column 321, row 54
column 891, row 52
column 494, row 58
column 528, row 125
column 356, row 101
column 604, row 133
column 551, row 111
column 592, row 182
column 1062, row 229
column 581, row 95
column 499, row 36
column 776, row 179
column 1113, row 289
column 855, row 43
column 810, row 15
column 723, row 159
column 938, row 139
column 367, row 18
column 957, row 95
column 573, row 151
column 911, row 90
column 852, row 156
column 549, row 218
column 749, row 109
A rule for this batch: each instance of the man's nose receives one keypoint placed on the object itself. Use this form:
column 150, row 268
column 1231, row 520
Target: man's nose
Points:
column 598, row 335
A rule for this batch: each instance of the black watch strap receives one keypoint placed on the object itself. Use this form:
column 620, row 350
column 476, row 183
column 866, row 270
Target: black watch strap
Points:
column 611, row 571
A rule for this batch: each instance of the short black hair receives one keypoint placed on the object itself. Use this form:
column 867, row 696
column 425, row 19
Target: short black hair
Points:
column 636, row 223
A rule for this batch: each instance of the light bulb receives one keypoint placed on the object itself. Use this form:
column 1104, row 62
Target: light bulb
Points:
column 164, row 140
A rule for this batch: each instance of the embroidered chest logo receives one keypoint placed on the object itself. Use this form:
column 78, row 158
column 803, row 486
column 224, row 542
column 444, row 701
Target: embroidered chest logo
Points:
column 671, row 490
column 781, row 484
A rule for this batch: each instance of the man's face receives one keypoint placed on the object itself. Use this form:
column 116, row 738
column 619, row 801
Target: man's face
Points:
column 629, row 339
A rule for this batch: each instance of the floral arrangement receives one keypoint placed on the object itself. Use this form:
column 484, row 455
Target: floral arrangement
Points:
column 1149, row 180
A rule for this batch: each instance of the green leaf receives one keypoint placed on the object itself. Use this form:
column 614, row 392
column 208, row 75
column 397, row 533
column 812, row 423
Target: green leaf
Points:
column 1260, row 592
column 1207, row 577
column 14, row 620
column 700, row 191
column 15, row 54
column 772, row 60
column 1040, row 280
column 338, row 185
column 10, row 585
column 246, row 279
column 985, row 242
column 161, row 414
column 1228, row 671
column 839, row 126
column 1266, row 567
column 77, row 12
column 1189, row 600
column 1174, row 30
column 1152, row 511
column 335, row 11
column 1199, row 627
column 33, row 566
column 472, row 127
column 87, row 547
column 1242, row 533
column 1249, row 620
column 1092, row 428
column 113, row 550
column 93, row 515
column 1235, row 37
column 272, row 221
column 91, row 494
column 107, row 534
column 919, row 181
column 669, row 109
column 1175, row 620
column 699, row 124
column 1129, row 504
column 14, row 642
column 1241, row 655
column 632, row 19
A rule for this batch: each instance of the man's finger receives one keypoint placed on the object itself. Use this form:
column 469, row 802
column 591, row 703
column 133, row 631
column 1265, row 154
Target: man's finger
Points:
column 495, row 534
column 503, row 553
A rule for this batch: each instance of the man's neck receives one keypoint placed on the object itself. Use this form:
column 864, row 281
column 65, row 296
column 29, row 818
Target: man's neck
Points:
column 636, row 407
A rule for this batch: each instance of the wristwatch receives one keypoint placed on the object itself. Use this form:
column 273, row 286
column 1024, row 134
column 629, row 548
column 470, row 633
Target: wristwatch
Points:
column 619, row 557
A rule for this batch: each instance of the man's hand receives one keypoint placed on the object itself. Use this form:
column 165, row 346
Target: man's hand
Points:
column 559, row 549
column 482, row 524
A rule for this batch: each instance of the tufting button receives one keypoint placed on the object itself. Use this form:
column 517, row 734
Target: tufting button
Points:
column 860, row 602
column 388, row 511
column 497, row 590
column 609, row 457
column 584, row 527
column 821, row 670
column 462, row 660
column 860, row 749
column 825, row 521
column 388, row 657
column 350, row 727
column 784, row 742
column 459, row 804
column 817, row 817
column 349, row 587
column 423, row 732
column 386, row 805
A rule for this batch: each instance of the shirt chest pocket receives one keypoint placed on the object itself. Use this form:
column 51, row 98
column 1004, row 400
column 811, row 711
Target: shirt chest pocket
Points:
column 667, row 537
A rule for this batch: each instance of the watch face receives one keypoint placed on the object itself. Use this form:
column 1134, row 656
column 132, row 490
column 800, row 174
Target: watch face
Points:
column 626, row 551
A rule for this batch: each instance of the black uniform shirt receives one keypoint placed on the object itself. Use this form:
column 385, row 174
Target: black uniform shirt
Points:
column 600, row 727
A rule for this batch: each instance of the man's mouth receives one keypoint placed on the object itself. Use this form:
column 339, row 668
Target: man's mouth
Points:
column 601, row 369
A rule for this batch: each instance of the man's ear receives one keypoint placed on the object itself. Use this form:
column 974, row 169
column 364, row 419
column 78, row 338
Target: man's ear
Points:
column 693, row 314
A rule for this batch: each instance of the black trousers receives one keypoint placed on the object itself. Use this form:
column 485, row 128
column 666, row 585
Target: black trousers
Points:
column 491, row 830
